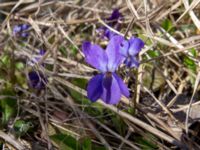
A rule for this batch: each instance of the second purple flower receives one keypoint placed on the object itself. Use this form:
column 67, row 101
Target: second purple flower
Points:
column 130, row 49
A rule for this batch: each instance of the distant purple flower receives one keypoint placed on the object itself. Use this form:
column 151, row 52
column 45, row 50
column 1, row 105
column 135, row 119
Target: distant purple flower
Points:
column 107, row 85
column 130, row 49
column 36, row 80
column 20, row 30
column 37, row 58
column 16, row 29
column 115, row 17
column 112, row 21
column 42, row 52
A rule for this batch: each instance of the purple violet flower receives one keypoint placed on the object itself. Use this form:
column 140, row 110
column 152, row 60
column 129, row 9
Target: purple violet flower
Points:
column 42, row 52
column 113, row 21
column 107, row 85
column 37, row 80
column 37, row 58
column 20, row 30
column 130, row 49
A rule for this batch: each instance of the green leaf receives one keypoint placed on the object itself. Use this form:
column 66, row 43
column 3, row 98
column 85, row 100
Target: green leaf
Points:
column 74, row 50
column 190, row 64
column 65, row 142
column 96, row 147
column 63, row 50
column 145, row 144
column 19, row 65
column 7, row 113
column 86, row 144
column 144, row 38
column 96, row 110
column 193, row 51
column 78, row 97
column 80, row 82
column 119, row 124
column 20, row 79
column 131, row 110
column 153, row 54
column 168, row 25
column 8, row 105
column 5, row 59
column 21, row 127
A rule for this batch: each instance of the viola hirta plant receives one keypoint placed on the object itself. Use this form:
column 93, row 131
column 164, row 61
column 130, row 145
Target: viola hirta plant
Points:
column 37, row 79
column 107, row 85
column 112, row 21
column 20, row 30
column 37, row 58
column 130, row 49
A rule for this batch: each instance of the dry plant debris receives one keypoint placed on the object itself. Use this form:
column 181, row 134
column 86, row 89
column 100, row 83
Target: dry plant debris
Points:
column 44, row 76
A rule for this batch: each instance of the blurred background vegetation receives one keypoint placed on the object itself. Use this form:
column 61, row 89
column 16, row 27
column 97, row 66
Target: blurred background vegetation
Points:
column 54, row 113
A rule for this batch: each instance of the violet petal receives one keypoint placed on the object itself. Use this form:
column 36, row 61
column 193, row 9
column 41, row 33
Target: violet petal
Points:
column 42, row 52
column 25, row 27
column 36, row 80
column 111, row 91
column 131, row 62
column 115, row 15
column 16, row 29
column 95, row 56
column 24, row 34
column 95, row 88
column 136, row 45
column 122, row 85
column 109, row 34
column 113, row 53
column 124, row 47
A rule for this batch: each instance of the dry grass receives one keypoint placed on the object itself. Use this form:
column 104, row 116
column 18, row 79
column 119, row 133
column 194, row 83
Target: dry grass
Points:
column 164, row 89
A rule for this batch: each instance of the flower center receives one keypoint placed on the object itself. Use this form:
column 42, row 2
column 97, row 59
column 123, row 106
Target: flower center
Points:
column 108, row 74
